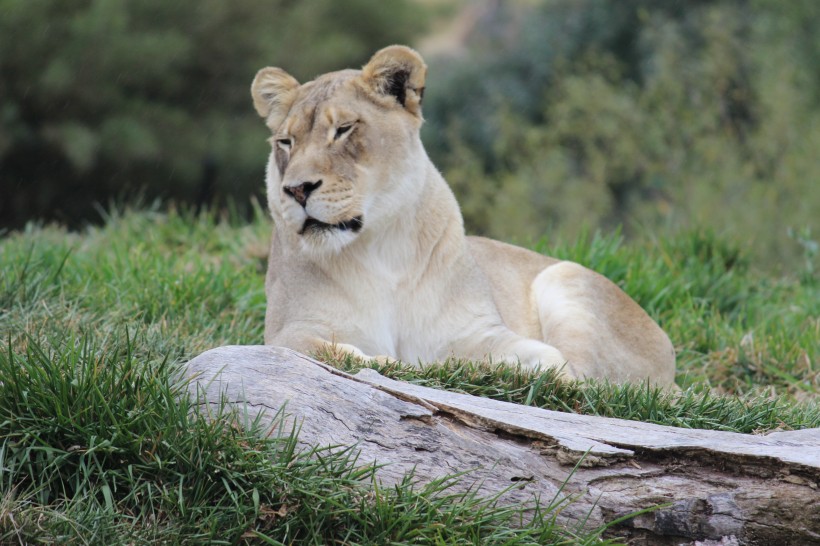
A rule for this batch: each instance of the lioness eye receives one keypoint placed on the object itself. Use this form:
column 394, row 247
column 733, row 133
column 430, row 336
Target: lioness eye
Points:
column 284, row 143
column 342, row 130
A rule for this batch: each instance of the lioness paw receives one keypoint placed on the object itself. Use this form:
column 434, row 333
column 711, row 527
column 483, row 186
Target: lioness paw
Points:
column 342, row 350
column 535, row 354
column 385, row 360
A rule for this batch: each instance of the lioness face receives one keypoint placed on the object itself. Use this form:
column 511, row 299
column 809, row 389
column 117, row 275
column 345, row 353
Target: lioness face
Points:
column 337, row 140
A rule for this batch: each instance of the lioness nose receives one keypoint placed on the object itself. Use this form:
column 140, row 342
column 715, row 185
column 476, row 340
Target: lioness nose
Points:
column 302, row 191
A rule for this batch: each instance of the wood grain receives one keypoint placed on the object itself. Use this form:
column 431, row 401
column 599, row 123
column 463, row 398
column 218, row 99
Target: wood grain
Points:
column 715, row 487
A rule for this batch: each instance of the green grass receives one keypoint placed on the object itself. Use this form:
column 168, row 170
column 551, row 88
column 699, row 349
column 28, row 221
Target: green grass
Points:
column 695, row 407
column 105, row 449
column 100, row 444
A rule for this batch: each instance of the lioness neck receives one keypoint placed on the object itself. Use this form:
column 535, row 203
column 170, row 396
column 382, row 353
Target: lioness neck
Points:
column 421, row 233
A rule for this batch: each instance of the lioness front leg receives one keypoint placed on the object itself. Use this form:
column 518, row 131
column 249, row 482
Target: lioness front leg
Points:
column 340, row 350
column 533, row 354
column 316, row 343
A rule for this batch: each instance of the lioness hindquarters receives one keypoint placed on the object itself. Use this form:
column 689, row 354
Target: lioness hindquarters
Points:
column 602, row 332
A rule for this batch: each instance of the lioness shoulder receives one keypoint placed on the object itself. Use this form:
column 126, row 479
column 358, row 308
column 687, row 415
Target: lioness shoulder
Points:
column 369, row 253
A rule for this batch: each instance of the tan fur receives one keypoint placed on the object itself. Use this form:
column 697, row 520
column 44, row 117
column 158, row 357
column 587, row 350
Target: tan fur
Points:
column 369, row 254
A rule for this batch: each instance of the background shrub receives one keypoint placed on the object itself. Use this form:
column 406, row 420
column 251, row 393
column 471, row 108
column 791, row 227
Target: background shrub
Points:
column 113, row 99
column 566, row 114
column 548, row 115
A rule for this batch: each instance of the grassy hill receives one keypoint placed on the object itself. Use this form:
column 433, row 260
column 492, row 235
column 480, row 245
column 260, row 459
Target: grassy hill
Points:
column 99, row 444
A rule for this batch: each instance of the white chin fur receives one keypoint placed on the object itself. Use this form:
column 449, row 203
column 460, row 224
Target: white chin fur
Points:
column 326, row 242
column 316, row 243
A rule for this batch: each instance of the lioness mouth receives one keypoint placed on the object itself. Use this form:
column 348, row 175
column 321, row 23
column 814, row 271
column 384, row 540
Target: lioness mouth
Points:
column 311, row 224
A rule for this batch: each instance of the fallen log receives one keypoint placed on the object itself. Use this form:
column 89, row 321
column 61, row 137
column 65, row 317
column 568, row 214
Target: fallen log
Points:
column 713, row 487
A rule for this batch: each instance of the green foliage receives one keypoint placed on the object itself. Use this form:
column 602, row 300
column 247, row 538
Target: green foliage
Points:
column 565, row 114
column 641, row 113
column 184, row 281
column 103, row 100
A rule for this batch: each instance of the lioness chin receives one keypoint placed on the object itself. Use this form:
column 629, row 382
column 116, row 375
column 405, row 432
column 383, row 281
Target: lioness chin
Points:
column 369, row 254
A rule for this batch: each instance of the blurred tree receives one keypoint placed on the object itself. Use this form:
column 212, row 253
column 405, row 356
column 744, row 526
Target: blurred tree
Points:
column 643, row 113
column 108, row 99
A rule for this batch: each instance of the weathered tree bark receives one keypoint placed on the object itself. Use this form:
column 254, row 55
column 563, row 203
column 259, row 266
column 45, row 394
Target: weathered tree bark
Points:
column 717, row 487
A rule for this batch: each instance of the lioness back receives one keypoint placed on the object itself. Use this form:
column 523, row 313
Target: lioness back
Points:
column 369, row 255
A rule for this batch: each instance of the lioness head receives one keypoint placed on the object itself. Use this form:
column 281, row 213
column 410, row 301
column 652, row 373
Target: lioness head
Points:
column 344, row 147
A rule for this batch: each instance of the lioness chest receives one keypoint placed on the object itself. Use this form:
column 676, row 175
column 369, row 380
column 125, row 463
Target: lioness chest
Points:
column 409, row 318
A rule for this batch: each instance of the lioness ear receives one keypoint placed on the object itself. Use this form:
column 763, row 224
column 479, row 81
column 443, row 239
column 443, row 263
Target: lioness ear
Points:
column 398, row 73
column 273, row 91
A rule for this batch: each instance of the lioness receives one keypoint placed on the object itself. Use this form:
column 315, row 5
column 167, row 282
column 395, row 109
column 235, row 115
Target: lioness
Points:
column 369, row 254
